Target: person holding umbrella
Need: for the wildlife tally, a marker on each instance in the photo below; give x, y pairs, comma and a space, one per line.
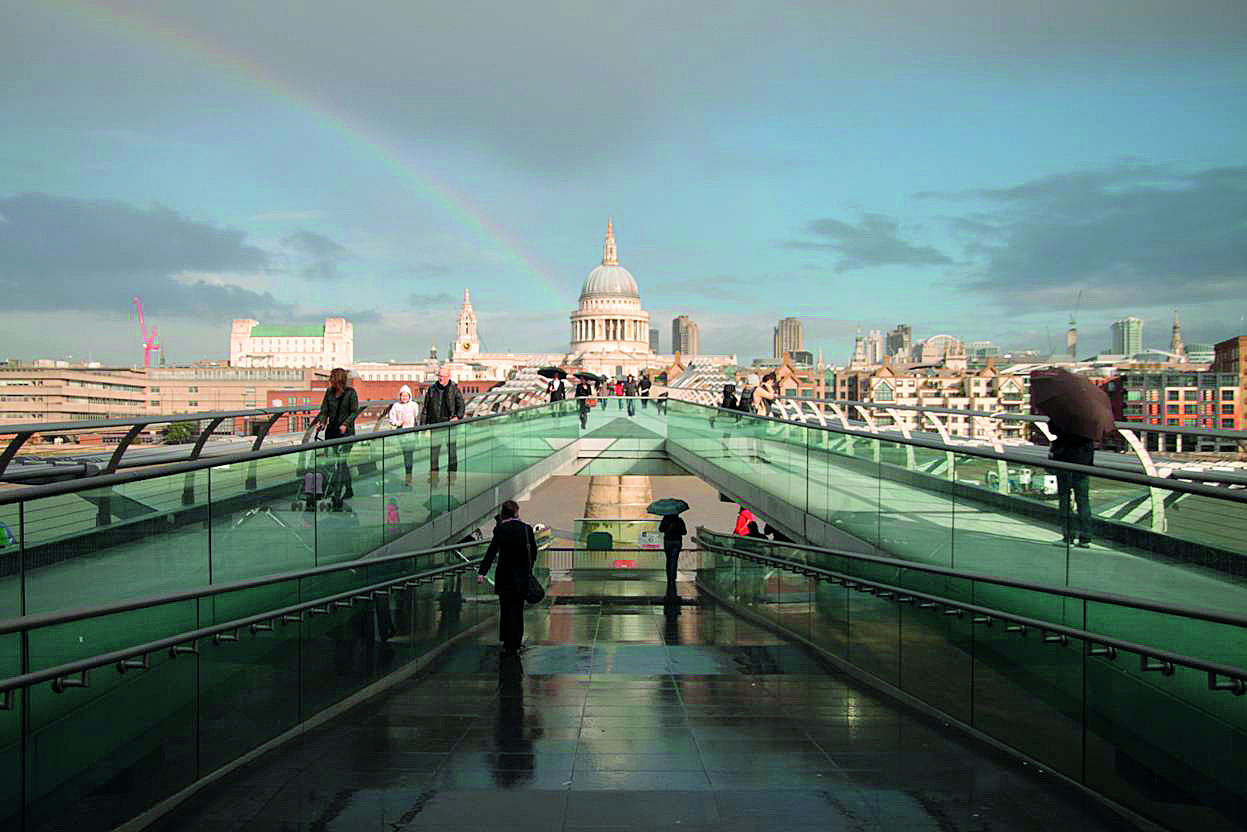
673, 531
1079, 414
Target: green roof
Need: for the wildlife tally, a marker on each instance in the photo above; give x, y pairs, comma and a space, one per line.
294, 331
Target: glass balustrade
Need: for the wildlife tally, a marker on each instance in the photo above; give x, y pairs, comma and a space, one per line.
96, 755
1152, 736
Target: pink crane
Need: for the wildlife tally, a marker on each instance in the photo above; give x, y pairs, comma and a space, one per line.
149, 341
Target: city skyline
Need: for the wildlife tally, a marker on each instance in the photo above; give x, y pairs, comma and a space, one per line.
755, 178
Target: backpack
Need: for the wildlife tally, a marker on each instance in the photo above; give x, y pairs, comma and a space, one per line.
745, 402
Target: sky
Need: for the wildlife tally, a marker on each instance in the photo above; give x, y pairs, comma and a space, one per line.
969, 167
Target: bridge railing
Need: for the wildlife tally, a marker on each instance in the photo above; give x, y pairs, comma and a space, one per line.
1096, 687
49, 466
237, 516
107, 711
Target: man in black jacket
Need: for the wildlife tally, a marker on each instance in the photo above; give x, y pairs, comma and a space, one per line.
442, 403
1081, 451
673, 531
583, 393
515, 546
644, 386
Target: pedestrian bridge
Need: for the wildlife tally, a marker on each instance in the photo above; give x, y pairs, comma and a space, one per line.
198, 642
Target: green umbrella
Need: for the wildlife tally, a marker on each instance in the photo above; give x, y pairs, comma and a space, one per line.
668, 505
442, 502
584, 375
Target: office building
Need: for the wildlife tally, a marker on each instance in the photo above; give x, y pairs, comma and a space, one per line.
654, 346
1127, 336
684, 336
787, 337
900, 342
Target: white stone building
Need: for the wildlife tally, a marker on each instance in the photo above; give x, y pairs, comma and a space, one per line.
609, 330
322, 346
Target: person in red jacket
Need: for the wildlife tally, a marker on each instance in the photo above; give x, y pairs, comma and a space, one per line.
743, 520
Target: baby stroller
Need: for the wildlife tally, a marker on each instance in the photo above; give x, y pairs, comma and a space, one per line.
319, 483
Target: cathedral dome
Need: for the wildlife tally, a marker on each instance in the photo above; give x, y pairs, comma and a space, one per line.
610, 279
615, 281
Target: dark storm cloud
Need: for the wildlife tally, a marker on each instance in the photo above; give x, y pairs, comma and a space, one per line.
1137, 235
60, 253
322, 255
874, 241
548, 84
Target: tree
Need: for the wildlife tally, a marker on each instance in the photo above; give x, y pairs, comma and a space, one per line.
179, 433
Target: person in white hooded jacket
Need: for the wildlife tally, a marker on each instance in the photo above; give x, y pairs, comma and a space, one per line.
404, 414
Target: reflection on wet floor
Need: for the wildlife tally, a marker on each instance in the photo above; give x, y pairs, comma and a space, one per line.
631, 715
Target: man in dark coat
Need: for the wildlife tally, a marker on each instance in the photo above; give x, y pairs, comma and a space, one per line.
644, 386
673, 531
584, 392
629, 389
1081, 451
515, 547
442, 403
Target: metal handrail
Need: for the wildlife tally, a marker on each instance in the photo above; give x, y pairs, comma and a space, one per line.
22, 433
1199, 613
107, 480
31, 622
1006, 416
987, 615
324, 605
984, 453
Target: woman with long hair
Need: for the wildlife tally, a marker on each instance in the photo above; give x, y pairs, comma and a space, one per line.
338, 410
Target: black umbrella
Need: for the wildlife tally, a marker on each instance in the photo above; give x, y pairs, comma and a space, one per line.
668, 505
1073, 403
552, 372
584, 375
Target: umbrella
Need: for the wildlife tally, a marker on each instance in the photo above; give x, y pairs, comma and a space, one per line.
593, 377
1072, 403
667, 505
441, 503
552, 372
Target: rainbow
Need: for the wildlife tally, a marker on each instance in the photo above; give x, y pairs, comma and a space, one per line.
456, 204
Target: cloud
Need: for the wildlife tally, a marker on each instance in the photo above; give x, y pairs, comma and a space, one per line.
874, 241
422, 300
321, 254
61, 253
1133, 235
355, 316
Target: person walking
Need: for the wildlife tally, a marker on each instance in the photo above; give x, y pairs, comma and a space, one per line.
673, 531
603, 390
630, 391
442, 403
583, 393
619, 391
557, 390
1079, 450
727, 403
338, 410
515, 547
403, 414
644, 387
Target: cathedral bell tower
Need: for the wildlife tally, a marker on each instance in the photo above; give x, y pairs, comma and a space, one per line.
467, 345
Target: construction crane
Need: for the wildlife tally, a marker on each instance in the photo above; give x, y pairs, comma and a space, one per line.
1071, 336
149, 341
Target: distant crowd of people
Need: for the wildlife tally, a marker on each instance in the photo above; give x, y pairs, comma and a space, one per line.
590, 392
